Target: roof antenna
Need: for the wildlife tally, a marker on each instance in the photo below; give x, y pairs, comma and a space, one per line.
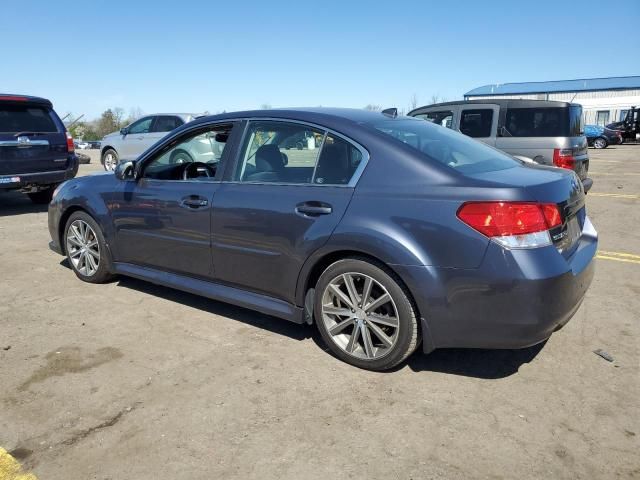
390, 112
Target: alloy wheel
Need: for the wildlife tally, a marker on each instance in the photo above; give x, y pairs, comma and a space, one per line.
600, 143
360, 316
83, 248
109, 162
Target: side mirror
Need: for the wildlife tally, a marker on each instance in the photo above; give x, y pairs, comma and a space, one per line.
125, 170
124, 131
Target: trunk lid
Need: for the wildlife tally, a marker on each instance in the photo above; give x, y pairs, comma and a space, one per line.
32, 138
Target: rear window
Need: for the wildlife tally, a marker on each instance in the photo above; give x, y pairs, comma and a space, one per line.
26, 118
449, 148
544, 122
444, 118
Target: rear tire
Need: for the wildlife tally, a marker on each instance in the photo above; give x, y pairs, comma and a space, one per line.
365, 315
42, 197
110, 159
600, 142
86, 249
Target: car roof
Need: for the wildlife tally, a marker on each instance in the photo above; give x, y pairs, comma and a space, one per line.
309, 114
502, 102
18, 98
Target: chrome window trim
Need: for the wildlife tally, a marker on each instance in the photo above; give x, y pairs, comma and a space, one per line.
354, 178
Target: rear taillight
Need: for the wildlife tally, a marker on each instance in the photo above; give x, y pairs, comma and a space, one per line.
512, 224
563, 158
70, 146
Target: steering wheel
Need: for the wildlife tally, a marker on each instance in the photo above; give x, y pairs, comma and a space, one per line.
197, 170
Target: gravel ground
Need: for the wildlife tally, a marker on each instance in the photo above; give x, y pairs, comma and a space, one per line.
131, 380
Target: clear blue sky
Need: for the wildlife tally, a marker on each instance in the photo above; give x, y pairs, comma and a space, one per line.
212, 55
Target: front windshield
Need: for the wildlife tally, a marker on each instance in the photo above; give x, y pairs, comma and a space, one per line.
449, 148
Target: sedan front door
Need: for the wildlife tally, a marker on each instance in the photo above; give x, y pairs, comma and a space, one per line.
137, 139
163, 220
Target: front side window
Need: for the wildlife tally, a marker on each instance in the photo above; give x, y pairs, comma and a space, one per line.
443, 118
141, 126
166, 123
193, 157
292, 153
476, 123
623, 115
449, 148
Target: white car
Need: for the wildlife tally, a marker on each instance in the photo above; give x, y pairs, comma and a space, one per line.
82, 145
132, 140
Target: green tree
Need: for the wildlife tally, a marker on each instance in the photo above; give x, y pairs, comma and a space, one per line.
111, 120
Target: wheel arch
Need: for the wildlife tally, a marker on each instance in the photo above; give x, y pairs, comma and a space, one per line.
314, 267
103, 151
64, 218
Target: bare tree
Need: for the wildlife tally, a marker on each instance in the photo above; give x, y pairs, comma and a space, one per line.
413, 101
135, 113
373, 108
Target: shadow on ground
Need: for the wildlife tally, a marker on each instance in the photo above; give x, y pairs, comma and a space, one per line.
17, 203
467, 362
256, 319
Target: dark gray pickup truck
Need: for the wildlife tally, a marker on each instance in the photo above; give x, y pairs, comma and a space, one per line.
36, 151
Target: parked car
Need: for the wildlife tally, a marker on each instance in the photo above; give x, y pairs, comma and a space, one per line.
82, 145
630, 126
395, 233
545, 132
601, 137
36, 151
94, 144
134, 139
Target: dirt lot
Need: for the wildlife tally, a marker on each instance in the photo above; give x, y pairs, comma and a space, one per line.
130, 380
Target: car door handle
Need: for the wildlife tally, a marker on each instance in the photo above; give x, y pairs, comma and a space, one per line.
140, 137
194, 202
313, 209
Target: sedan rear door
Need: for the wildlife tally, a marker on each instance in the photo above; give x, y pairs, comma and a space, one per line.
278, 206
32, 138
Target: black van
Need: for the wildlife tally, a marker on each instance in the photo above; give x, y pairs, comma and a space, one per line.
36, 151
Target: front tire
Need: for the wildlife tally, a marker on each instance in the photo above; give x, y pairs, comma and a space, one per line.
110, 159
600, 142
365, 315
86, 248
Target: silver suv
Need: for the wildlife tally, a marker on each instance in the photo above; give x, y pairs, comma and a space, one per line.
545, 132
134, 139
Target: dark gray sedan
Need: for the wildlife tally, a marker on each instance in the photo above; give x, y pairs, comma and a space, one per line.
386, 232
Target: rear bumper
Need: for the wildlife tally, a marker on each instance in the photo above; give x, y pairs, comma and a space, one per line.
517, 298
38, 179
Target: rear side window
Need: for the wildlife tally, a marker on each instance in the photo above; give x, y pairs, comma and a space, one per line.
293, 153
26, 118
166, 123
476, 123
443, 118
449, 148
543, 122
